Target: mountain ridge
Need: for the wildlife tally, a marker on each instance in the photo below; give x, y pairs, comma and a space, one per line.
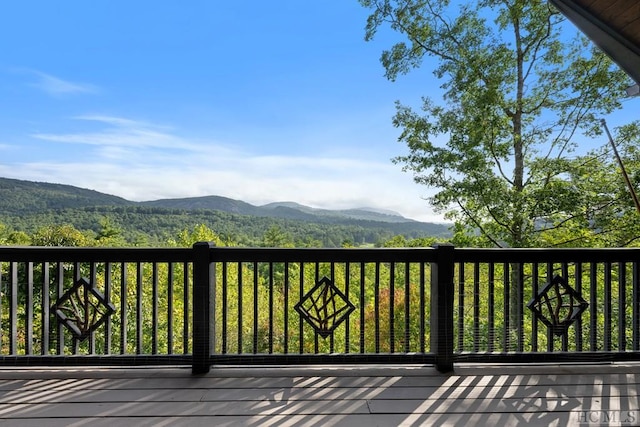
29, 205
63, 196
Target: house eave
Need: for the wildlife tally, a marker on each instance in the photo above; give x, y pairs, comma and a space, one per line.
623, 51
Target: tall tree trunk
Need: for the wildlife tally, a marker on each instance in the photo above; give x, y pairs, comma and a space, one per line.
517, 225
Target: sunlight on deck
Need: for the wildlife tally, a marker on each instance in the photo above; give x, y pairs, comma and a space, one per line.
602, 394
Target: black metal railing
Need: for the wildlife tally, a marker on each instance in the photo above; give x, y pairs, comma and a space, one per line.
502, 313
95, 306
207, 306
283, 306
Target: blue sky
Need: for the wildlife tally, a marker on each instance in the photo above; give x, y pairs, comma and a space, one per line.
258, 101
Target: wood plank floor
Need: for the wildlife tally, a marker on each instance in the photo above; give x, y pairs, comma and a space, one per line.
475, 395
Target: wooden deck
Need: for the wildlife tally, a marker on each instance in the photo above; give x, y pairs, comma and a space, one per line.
545, 395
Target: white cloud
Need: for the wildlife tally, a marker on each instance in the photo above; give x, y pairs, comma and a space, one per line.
57, 87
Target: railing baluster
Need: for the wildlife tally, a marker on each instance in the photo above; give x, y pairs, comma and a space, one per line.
270, 307
107, 296
362, 307
607, 306
520, 307
13, 310
286, 308
300, 321
491, 306
476, 307
461, 307
225, 284
636, 307
154, 308
240, 313
59, 293
535, 284
550, 337
593, 306
28, 342
622, 307
124, 291
3, 294
392, 290
170, 317
506, 280
92, 280
376, 303
45, 310
565, 340
187, 272
255, 307
407, 307
578, 326
423, 308
139, 318
316, 343
77, 274
331, 338
347, 328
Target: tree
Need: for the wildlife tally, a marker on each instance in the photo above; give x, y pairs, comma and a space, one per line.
276, 237
110, 233
60, 235
517, 96
611, 218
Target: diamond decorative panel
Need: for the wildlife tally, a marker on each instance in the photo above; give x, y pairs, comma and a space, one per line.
324, 307
558, 305
82, 309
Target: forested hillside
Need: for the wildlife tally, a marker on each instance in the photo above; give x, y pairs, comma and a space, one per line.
27, 207
27, 197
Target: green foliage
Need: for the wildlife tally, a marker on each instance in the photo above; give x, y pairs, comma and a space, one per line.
60, 235
276, 237
10, 237
517, 99
200, 233
141, 226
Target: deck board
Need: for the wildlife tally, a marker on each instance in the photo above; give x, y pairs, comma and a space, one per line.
319, 395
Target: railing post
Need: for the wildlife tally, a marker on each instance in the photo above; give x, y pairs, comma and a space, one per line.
442, 271
203, 304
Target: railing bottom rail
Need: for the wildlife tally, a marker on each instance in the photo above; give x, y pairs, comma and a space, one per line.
557, 357
323, 359
103, 361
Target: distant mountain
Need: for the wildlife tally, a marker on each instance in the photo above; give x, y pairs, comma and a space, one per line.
366, 214
216, 203
38, 202
17, 196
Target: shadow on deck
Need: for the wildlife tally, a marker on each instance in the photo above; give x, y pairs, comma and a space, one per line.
374, 395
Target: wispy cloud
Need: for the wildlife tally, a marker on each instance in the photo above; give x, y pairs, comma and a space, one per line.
56, 86
121, 132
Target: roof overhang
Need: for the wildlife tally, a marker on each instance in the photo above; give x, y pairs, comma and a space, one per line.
613, 25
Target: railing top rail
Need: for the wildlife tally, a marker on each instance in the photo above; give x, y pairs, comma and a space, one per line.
322, 255
91, 254
496, 255
237, 254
